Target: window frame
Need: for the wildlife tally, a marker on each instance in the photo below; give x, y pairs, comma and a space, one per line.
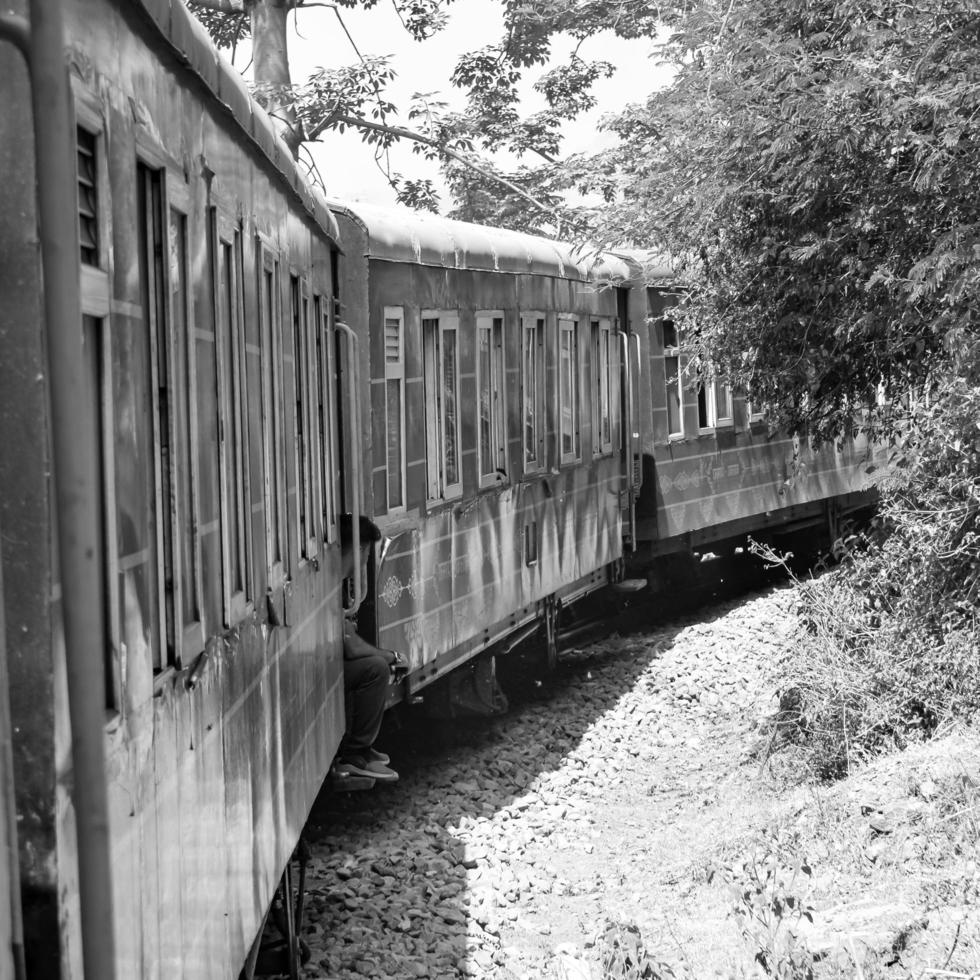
307, 529
95, 293
177, 197
672, 352
493, 323
602, 329
179, 640
726, 421
394, 371
568, 324
269, 295
708, 396
438, 488
237, 604
533, 322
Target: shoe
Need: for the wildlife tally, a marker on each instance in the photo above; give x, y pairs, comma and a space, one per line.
382, 773
373, 755
355, 765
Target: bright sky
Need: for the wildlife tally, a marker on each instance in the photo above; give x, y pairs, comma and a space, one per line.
347, 165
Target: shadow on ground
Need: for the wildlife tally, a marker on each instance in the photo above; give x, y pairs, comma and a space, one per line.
390, 889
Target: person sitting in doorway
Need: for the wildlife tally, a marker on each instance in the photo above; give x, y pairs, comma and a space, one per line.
367, 671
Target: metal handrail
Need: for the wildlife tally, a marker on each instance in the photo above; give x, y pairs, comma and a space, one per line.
355, 459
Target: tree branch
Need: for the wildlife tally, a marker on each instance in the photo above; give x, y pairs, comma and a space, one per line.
407, 134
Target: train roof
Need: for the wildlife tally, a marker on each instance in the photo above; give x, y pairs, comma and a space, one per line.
397, 234
192, 45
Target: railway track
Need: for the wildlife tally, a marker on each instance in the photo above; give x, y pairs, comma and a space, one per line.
495, 846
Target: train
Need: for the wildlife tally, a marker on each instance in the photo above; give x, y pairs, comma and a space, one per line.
206, 363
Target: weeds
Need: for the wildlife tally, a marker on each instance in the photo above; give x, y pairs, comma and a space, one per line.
623, 955
770, 891
890, 647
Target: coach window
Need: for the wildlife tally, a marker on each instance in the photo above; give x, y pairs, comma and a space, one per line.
166, 311
311, 376
440, 355
672, 380
491, 401
299, 305
394, 340
270, 334
92, 235
532, 390
714, 405
324, 399
236, 526
568, 390
602, 386
183, 422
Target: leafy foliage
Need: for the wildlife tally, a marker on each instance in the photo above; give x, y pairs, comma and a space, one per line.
623, 954
891, 649
812, 168
227, 30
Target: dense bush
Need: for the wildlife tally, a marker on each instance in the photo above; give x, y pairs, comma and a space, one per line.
890, 649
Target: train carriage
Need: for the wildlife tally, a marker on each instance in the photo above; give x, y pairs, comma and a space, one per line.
494, 429
713, 470
205, 276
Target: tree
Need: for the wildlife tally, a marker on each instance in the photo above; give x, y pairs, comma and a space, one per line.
813, 167
354, 97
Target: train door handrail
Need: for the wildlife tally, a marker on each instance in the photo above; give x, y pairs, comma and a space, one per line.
353, 416
636, 472
624, 346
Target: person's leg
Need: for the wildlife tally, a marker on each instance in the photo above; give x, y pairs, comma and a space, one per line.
365, 691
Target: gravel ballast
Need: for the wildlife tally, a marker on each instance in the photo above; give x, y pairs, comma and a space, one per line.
509, 841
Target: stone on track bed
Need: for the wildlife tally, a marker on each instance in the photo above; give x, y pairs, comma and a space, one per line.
506, 838
611, 796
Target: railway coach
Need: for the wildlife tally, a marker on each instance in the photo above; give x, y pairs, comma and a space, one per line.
531, 430
714, 471
170, 492
497, 466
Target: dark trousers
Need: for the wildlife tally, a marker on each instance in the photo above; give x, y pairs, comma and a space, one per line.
365, 693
